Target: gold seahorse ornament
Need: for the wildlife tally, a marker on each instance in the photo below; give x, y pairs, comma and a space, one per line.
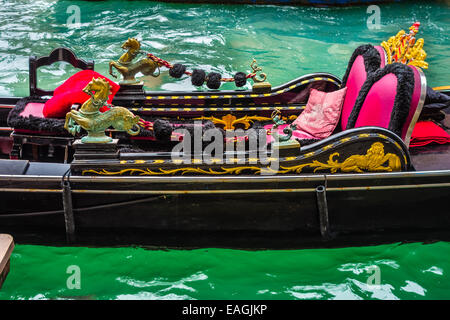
95, 122
128, 69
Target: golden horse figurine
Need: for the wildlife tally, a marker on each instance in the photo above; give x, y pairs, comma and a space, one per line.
127, 68
95, 122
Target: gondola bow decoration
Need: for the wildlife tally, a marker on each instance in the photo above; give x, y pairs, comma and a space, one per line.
405, 49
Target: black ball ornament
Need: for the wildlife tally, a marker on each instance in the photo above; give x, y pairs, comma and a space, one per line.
162, 129
214, 80
177, 70
198, 77
240, 79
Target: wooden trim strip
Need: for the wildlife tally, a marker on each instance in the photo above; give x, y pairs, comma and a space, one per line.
232, 191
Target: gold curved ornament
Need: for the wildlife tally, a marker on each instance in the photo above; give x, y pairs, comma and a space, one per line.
260, 85
229, 121
145, 172
375, 160
256, 69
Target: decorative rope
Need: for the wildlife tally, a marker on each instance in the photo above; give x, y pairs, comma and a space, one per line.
145, 124
213, 79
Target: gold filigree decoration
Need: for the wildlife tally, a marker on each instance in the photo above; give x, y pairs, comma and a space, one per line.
372, 161
256, 69
405, 49
290, 118
375, 160
160, 171
229, 121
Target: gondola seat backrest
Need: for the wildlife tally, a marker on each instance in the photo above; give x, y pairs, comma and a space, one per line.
27, 116
57, 55
392, 98
364, 60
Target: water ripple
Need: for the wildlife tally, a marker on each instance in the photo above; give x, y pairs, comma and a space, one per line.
287, 41
410, 271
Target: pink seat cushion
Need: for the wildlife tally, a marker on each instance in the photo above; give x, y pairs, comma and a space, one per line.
71, 92
383, 96
33, 109
320, 117
356, 78
322, 113
379, 103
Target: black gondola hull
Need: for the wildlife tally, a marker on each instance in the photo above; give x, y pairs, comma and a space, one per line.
243, 212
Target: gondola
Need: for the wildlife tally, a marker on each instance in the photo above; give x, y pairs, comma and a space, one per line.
146, 171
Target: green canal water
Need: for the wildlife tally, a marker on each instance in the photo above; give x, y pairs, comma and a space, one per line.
406, 271
287, 42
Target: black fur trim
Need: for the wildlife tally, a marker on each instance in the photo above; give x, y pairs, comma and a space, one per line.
162, 129
240, 79
372, 60
16, 121
198, 77
177, 70
213, 80
143, 133
402, 103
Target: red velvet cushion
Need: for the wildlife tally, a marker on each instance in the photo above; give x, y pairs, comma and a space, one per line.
71, 92
426, 132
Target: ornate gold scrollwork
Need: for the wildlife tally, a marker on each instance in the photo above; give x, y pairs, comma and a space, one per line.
375, 160
229, 121
256, 68
372, 161
260, 85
